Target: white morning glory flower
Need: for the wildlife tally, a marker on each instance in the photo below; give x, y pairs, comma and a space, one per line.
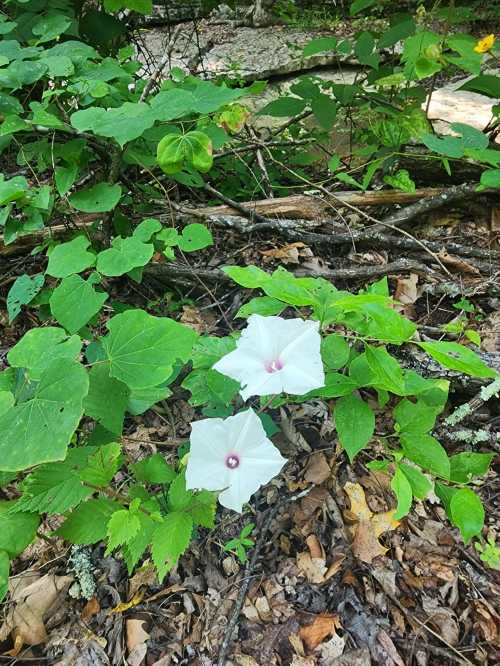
276, 355
233, 455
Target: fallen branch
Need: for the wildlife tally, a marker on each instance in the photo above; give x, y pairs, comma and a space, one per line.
174, 272
449, 196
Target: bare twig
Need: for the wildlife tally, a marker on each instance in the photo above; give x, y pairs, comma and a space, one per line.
161, 65
250, 566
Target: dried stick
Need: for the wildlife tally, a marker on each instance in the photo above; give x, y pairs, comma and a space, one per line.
250, 566
161, 65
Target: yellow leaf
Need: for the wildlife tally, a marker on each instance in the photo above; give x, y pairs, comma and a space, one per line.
124, 606
484, 45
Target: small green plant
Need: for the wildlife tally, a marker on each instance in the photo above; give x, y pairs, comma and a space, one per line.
489, 551
240, 544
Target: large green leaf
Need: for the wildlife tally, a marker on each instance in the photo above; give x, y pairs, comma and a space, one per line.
17, 530
467, 513
87, 523
74, 302
457, 357
124, 255
355, 423
124, 123
465, 466
107, 399
40, 429
22, 292
403, 491
69, 258
193, 149
427, 452
40, 346
99, 198
387, 371
142, 349
486, 84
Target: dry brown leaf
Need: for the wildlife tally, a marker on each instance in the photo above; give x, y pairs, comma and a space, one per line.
296, 643
331, 650
315, 547
297, 660
406, 294
369, 526
313, 568
32, 605
316, 632
143, 577
244, 660
92, 607
135, 633
288, 254
457, 263
487, 621
443, 619
193, 318
317, 469
335, 566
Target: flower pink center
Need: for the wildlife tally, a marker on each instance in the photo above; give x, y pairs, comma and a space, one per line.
232, 461
274, 365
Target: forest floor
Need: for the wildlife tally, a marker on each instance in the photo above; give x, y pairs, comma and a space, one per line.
331, 580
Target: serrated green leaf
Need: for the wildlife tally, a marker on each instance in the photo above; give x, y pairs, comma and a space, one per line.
87, 523
74, 302
134, 549
170, 540
107, 399
457, 357
141, 399
122, 527
17, 530
100, 198
153, 469
354, 422
51, 489
427, 452
208, 350
102, 465
22, 292
39, 347
402, 489
210, 387
142, 349
467, 513
40, 429
71, 257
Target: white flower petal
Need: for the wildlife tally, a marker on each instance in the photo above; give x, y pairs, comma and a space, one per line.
275, 355
243, 436
206, 466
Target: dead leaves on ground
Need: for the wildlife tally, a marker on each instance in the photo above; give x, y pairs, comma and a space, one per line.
34, 599
369, 526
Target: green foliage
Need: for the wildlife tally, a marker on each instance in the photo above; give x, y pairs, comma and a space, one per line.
240, 544
74, 121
